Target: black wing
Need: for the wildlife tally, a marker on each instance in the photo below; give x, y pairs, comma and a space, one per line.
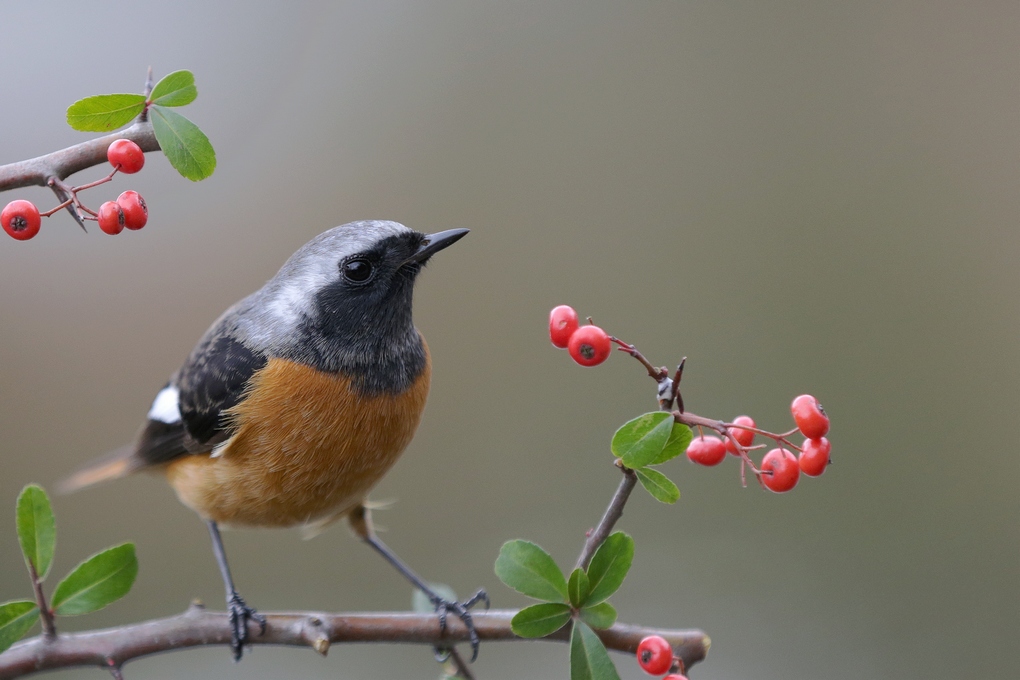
210, 382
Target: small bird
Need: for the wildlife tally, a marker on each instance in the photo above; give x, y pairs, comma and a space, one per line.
298, 399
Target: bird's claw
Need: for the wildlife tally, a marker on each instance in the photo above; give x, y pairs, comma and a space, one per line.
240, 614
462, 610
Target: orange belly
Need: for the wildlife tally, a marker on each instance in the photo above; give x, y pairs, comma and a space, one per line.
306, 449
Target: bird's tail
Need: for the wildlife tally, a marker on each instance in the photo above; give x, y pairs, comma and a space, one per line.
116, 464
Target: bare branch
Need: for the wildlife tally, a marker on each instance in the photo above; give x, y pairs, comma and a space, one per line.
111, 648
613, 513
64, 163
48, 625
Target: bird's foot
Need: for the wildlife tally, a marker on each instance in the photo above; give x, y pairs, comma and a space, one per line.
462, 610
240, 614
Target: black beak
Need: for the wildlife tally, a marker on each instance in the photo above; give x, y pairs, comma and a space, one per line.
433, 243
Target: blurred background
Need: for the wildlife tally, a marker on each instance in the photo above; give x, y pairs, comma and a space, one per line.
798, 196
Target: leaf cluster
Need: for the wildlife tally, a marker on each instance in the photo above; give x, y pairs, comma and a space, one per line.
184, 144
581, 598
98, 581
649, 440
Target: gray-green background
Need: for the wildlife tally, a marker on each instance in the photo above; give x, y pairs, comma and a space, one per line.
798, 196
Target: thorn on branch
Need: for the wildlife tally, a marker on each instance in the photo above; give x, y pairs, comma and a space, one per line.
111, 648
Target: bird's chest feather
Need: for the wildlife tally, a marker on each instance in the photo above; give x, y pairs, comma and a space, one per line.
307, 446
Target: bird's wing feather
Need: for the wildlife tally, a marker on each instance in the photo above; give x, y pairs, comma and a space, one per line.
191, 416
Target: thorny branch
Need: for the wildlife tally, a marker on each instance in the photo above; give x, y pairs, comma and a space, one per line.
112, 647
52, 169
60, 165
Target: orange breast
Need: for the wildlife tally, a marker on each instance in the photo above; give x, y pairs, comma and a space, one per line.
307, 448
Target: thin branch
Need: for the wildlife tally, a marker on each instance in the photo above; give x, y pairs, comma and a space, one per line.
48, 625
112, 647
608, 521
462, 668
654, 372
666, 392
64, 163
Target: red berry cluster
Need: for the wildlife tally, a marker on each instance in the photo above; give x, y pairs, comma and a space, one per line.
655, 656
780, 469
128, 211
21, 219
588, 345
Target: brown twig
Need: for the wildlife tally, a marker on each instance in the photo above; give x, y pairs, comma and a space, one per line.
112, 647
608, 521
654, 372
62, 164
692, 420
45, 615
463, 670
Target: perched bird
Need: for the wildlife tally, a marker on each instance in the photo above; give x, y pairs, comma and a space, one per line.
298, 399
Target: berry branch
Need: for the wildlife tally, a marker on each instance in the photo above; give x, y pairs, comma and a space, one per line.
640, 446
59, 165
112, 647
53, 168
155, 127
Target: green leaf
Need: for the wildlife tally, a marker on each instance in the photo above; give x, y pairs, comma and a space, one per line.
101, 579
588, 657
37, 530
175, 89
16, 619
529, 570
679, 439
609, 566
420, 602
186, 147
540, 620
601, 615
640, 441
658, 484
577, 587
104, 112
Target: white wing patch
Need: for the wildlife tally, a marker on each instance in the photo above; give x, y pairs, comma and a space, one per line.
166, 407
220, 448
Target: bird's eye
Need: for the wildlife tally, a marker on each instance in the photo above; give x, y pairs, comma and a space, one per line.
356, 271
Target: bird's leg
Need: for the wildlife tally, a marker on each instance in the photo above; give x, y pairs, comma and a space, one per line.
361, 524
239, 612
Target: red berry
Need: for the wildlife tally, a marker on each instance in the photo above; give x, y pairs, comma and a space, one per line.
136, 213
675, 676
814, 456
589, 346
745, 437
21, 219
706, 450
127, 155
111, 218
562, 324
784, 468
809, 416
654, 655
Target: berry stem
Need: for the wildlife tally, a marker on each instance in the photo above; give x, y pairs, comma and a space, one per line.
57, 209
104, 180
657, 374
67, 201
692, 420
